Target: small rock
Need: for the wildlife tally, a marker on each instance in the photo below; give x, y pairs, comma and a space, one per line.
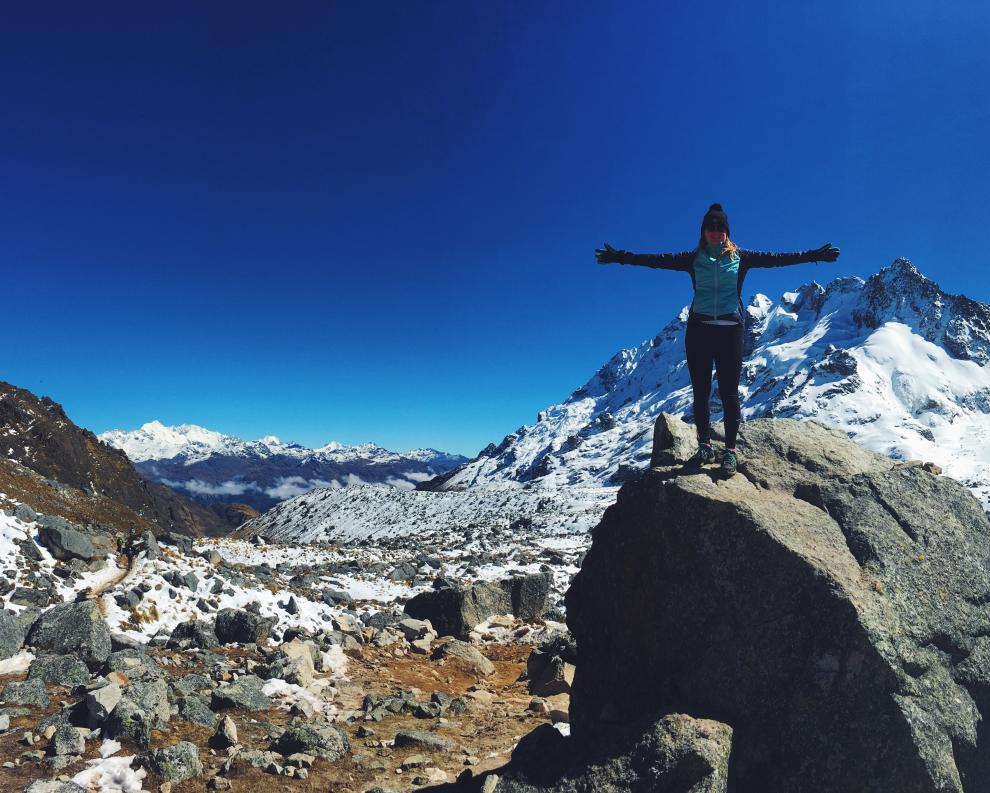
67, 740
419, 739
467, 653
27, 692
176, 763
226, 734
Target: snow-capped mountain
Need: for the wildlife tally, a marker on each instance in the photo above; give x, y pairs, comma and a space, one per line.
895, 362
212, 466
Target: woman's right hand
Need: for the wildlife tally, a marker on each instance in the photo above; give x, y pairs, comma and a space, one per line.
606, 255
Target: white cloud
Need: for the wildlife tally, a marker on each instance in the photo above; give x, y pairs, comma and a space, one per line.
229, 488
289, 486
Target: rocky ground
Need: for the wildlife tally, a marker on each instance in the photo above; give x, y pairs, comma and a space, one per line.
228, 664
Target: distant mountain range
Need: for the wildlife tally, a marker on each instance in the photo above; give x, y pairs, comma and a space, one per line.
899, 365
58, 468
210, 466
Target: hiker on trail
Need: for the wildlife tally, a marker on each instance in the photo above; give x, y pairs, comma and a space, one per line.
715, 324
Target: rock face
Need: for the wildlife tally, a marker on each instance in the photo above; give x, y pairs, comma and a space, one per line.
827, 604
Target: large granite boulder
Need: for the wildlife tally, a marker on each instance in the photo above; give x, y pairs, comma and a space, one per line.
827, 603
73, 628
454, 611
236, 626
66, 541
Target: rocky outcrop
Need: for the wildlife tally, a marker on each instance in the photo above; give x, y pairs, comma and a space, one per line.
828, 605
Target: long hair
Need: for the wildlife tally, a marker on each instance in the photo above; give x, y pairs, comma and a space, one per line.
730, 247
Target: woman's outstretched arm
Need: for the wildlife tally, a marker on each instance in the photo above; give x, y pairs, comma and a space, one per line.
826, 253
659, 261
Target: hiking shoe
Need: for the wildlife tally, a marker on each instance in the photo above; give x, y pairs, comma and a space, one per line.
729, 462
704, 455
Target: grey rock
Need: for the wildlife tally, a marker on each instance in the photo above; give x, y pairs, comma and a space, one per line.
101, 701
152, 550
27, 692
468, 653
420, 739
12, 634
234, 626
66, 542
67, 740
194, 708
31, 596
823, 602
190, 684
73, 628
24, 513
151, 696
245, 692
136, 664
118, 641
53, 786
180, 542
326, 741
676, 754
176, 763
226, 734
128, 720
674, 441
62, 670
456, 610
193, 633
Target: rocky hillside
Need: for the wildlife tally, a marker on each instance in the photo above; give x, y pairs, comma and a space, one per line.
818, 623
36, 435
894, 362
242, 666
209, 466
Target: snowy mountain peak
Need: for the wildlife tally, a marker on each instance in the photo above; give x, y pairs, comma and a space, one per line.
894, 361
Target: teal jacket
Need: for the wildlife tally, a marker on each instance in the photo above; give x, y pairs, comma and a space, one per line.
717, 276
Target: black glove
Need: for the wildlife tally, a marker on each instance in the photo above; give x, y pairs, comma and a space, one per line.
606, 255
827, 253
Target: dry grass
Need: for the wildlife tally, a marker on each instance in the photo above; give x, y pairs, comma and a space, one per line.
139, 616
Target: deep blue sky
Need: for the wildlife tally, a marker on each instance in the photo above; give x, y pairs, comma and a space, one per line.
376, 221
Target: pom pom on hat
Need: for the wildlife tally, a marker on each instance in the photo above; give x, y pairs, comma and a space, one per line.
715, 219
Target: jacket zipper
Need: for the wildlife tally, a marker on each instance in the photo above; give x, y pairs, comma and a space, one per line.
715, 307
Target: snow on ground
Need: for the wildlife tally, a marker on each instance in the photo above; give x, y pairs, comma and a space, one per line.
375, 512
14, 530
111, 775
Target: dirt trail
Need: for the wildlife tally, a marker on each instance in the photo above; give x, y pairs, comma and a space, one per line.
95, 594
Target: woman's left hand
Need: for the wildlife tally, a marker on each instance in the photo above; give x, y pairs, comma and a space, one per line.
827, 253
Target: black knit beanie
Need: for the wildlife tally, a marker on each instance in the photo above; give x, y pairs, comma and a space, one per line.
716, 215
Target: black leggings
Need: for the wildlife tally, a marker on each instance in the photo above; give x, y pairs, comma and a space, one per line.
723, 346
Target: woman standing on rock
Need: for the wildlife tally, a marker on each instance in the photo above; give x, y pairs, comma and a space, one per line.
715, 324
